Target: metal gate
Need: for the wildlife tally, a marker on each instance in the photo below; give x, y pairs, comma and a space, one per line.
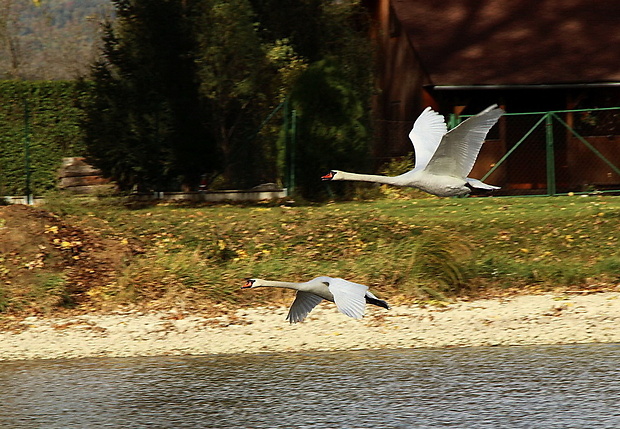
550, 153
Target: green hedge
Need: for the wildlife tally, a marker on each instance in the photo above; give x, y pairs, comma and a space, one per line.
52, 114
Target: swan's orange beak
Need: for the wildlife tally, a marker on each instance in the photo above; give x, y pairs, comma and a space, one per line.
328, 176
248, 284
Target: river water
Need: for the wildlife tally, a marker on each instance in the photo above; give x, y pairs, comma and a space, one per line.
568, 386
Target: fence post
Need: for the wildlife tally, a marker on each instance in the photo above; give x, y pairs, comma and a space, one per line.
550, 155
293, 146
28, 197
287, 147
452, 121
290, 141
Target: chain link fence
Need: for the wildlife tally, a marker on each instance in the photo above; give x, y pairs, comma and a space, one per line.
535, 153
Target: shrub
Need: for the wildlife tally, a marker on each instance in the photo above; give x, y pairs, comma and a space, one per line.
39, 125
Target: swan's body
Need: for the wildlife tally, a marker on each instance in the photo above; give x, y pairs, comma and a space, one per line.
443, 158
349, 297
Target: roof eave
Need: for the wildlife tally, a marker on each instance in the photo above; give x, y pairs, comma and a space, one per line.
523, 86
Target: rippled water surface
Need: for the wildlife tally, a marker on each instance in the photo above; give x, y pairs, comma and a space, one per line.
505, 387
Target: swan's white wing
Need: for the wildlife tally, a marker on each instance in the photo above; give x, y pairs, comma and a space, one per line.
303, 304
350, 298
459, 148
426, 135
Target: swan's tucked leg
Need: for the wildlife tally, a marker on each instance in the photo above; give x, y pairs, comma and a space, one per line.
475, 183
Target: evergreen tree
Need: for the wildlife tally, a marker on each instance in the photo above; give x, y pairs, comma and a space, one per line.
145, 125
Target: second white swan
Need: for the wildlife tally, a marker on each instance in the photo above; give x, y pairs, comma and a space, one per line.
349, 297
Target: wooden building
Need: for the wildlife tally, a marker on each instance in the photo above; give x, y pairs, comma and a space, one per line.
460, 56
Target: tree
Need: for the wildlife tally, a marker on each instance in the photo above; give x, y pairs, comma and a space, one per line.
297, 21
144, 125
332, 99
184, 86
315, 52
332, 130
240, 79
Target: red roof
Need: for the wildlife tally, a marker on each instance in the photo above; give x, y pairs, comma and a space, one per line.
508, 42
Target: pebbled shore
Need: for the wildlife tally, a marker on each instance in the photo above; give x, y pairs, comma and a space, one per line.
519, 320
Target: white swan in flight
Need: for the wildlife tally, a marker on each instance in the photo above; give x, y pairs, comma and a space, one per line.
350, 298
443, 159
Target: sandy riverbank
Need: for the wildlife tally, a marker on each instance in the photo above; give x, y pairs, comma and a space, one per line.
520, 320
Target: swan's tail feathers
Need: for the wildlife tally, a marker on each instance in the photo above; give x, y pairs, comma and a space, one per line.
475, 183
371, 299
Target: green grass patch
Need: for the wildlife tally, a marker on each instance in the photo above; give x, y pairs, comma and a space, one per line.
417, 248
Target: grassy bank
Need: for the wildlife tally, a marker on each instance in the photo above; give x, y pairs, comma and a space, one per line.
425, 248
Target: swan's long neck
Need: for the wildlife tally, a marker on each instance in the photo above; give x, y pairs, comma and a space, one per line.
275, 283
367, 178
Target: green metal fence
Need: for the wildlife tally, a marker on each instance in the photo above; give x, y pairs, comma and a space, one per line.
550, 153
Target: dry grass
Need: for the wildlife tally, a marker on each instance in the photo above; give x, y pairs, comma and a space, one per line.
413, 249
419, 248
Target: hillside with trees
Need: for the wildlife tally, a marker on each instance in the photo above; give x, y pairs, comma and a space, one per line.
49, 39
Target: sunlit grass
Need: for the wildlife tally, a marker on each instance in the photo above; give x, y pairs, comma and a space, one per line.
421, 248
